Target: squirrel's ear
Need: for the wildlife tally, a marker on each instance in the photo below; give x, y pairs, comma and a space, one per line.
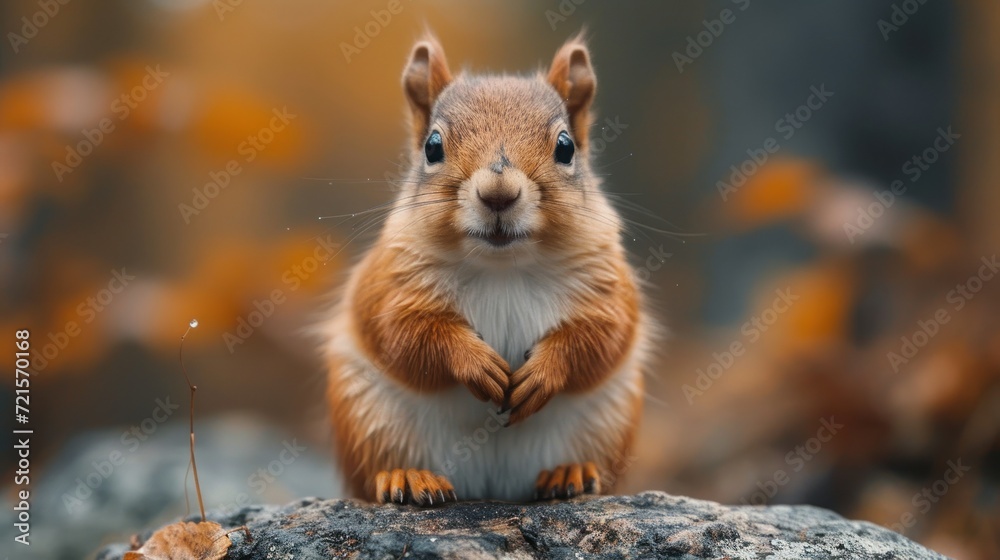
425, 76
573, 78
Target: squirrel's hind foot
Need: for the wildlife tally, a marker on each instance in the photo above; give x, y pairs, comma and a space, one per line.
567, 481
412, 486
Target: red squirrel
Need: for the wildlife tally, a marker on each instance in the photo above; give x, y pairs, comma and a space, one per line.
492, 343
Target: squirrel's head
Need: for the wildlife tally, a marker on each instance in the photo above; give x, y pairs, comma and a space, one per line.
500, 167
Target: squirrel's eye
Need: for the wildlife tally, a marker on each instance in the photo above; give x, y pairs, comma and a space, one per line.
434, 149
564, 148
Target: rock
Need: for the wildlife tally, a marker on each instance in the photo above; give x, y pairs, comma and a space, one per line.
648, 525
98, 489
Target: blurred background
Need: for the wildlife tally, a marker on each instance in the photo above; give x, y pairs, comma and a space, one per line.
835, 315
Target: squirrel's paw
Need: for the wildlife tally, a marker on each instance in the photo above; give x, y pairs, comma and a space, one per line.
531, 388
483, 371
412, 486
566, 481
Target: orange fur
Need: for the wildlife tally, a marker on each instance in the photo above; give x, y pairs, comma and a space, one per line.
419, 339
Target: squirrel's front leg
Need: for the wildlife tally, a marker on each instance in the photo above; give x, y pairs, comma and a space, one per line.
475, 364
575, 356
428, 346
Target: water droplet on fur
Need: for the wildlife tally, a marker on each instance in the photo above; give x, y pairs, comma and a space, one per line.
193, 324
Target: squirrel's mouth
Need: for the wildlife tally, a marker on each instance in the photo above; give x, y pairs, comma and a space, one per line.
498, 237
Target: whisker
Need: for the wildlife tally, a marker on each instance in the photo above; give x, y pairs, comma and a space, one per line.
417, 219
374, 208
372, 220
627, 224
618, 200
366, 228
583, 211
655, 400
619, 160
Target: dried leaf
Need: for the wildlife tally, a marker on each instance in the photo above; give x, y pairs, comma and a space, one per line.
185, 541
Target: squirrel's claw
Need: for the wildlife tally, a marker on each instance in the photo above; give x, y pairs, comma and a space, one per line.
413, 486
483, 371
530, 392
567, 481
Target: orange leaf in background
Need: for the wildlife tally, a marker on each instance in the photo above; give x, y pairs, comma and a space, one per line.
21, 104
822, 314
780, 188
185, 541
819, 315
227, 119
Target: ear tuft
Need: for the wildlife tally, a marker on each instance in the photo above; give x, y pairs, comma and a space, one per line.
425, 76
573, 78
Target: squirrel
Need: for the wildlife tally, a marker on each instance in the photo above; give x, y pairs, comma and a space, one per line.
498, 277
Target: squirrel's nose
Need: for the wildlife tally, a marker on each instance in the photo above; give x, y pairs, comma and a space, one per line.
499, 200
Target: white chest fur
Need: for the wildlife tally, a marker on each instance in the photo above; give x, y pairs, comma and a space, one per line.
512, 310
452, 433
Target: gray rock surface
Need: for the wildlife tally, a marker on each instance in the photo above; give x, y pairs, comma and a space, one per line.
648, 525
